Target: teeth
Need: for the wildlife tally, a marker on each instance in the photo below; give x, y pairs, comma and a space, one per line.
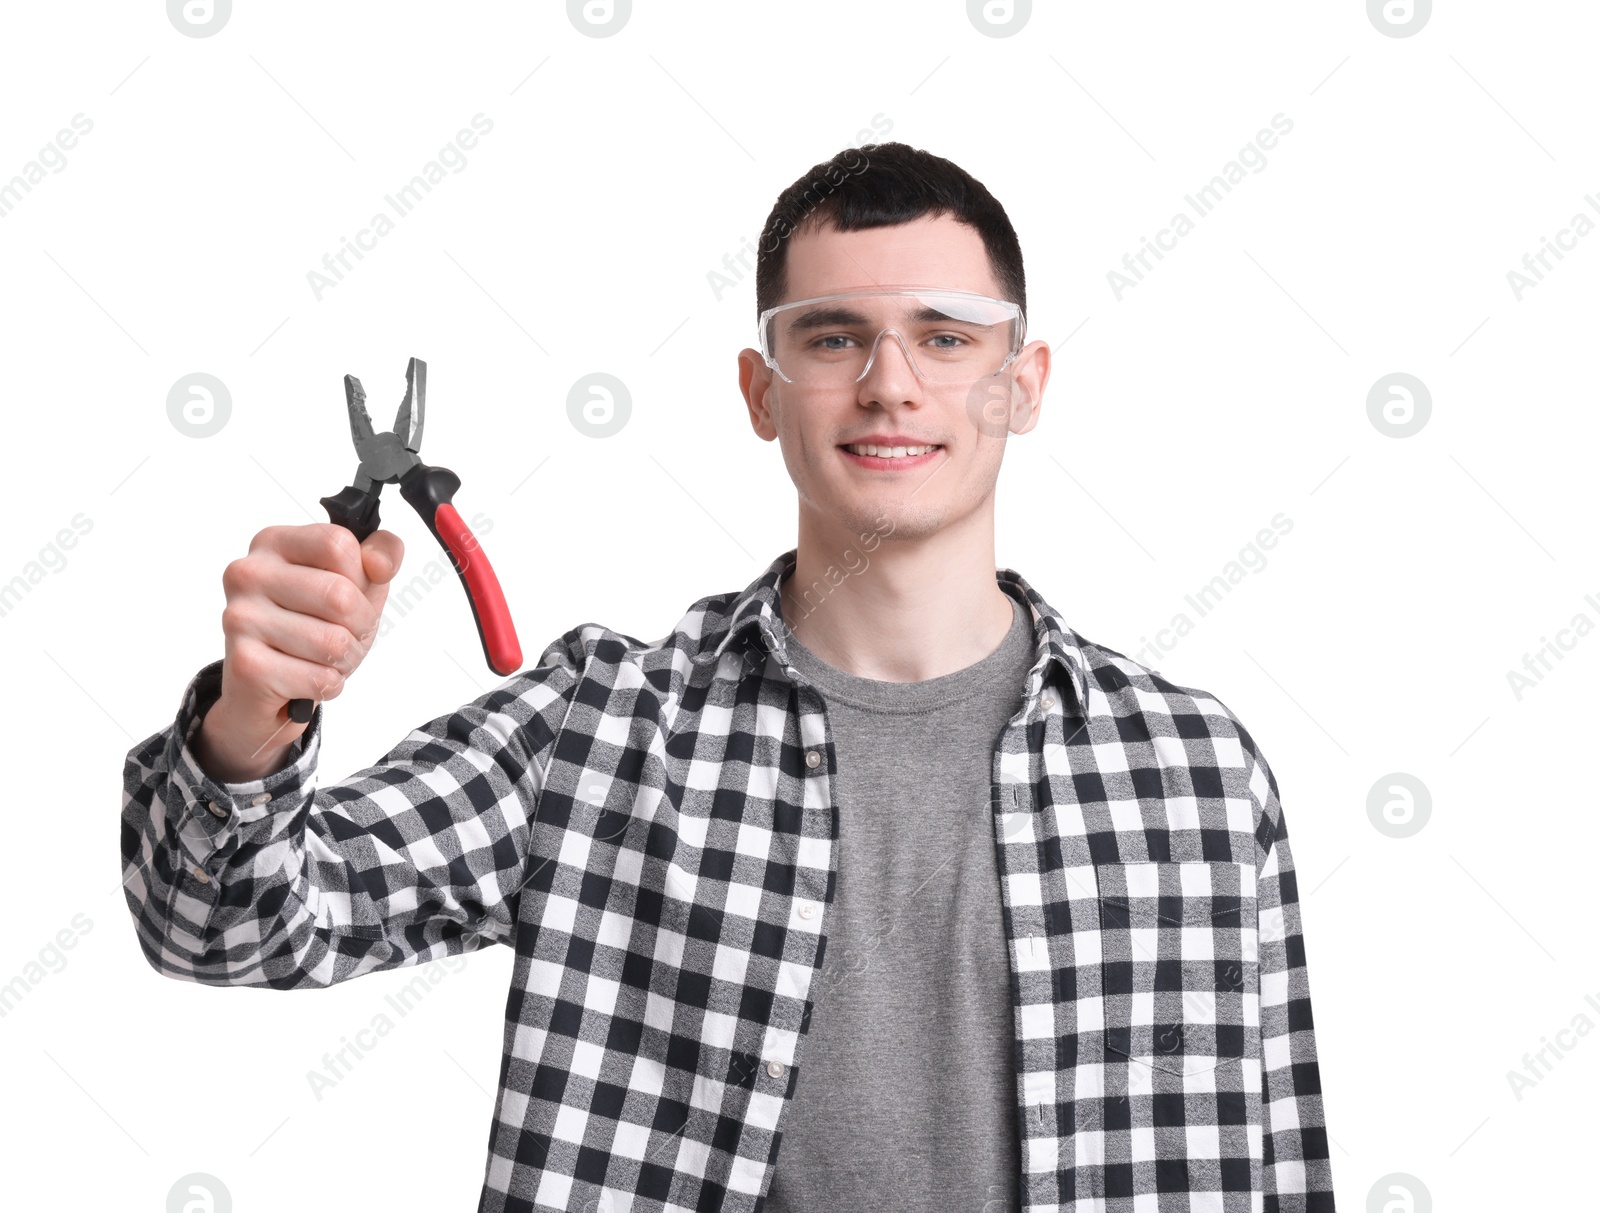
888, 452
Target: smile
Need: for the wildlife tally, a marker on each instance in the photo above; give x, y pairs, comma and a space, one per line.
892, 457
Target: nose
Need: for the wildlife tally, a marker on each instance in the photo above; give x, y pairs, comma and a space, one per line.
887, 364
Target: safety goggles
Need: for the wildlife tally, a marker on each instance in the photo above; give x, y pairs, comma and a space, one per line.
948, 337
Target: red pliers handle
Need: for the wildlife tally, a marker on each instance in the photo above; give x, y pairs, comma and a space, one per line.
390, 457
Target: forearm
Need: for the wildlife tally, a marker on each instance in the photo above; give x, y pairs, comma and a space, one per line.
275, 881
189, 838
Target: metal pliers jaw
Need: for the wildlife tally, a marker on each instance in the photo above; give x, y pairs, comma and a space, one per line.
390, 457
385, 457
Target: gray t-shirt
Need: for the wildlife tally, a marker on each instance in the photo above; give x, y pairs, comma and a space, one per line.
906, 1098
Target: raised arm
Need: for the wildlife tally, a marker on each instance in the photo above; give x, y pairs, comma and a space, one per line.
259, 877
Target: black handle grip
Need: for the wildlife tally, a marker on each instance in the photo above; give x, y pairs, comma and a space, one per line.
354, 510
427, 488
357, 512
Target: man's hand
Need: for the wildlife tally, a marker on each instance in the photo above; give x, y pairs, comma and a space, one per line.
303, 608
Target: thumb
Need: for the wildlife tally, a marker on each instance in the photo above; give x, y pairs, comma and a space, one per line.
381, 554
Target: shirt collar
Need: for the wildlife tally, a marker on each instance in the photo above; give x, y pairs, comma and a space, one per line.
757, 609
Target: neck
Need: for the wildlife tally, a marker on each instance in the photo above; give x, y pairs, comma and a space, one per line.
896, 608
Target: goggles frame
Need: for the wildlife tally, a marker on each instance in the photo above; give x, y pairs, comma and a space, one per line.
764, 324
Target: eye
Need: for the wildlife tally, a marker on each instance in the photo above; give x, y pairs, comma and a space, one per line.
952, 342
823, 343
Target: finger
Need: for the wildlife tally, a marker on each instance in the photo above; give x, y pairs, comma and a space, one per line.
267, 678
381, 554
321, 595
320, 545
308, 638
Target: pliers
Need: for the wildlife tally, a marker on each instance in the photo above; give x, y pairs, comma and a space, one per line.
390, 457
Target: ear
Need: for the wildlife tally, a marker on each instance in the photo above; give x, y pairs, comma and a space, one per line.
756, 385
1009, 401
1032, 373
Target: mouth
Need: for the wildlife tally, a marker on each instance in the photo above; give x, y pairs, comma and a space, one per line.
892, 459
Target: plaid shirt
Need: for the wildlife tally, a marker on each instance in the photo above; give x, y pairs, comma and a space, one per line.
650, 828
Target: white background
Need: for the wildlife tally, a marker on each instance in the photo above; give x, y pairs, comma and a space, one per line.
1227, 387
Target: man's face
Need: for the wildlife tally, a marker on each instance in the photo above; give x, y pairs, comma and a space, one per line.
845, 494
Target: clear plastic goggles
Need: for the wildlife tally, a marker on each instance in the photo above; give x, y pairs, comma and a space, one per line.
948, 337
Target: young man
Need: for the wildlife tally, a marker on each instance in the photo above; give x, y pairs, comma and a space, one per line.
871, 886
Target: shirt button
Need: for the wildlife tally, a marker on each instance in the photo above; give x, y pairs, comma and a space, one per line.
775, 1068
808, 910
261, 798
813, 758
217, 810
200, 874
1047, 701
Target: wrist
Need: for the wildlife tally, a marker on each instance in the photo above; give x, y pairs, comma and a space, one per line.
234, 749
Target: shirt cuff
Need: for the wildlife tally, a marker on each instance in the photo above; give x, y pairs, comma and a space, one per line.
211, 811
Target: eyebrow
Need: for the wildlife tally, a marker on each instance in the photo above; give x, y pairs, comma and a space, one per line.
837, 315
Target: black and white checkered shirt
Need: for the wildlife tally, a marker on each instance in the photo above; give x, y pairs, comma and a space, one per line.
650, 827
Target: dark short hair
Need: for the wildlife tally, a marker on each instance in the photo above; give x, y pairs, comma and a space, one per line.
878, 185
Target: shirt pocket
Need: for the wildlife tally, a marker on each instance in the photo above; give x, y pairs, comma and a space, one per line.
1178, 963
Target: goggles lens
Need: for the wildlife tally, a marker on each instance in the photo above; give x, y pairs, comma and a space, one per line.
949, 337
